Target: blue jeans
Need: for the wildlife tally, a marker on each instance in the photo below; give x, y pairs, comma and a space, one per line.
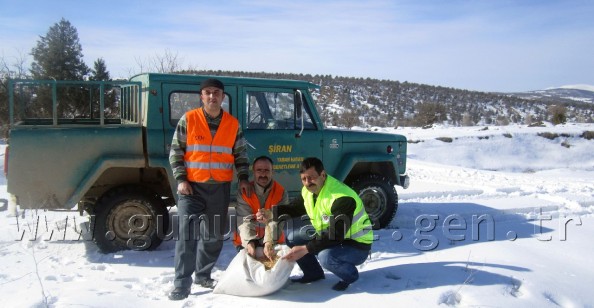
340, 260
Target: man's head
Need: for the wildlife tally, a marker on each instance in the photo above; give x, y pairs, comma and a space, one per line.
212, 82
262, 168
212, 93
313, 175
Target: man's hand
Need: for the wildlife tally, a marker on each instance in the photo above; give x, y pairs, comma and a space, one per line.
246, 187
184, 188
296, 253
269, 251
263, 216
251, 249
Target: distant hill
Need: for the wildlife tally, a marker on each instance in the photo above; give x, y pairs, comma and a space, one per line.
579, 93
366, 102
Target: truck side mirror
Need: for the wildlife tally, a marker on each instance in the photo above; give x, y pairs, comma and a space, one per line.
298, 104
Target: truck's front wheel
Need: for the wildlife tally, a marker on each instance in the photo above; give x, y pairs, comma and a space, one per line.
379, 197
129, 217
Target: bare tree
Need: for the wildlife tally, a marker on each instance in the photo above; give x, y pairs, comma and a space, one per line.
9, 70
168, 62
15, 69
467, 119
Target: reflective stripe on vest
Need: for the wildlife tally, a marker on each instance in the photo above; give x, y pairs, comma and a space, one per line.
320, 213
274, 197
207, 157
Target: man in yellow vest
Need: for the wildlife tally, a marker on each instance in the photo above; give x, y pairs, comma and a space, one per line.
207, 143
267, 193
343, 231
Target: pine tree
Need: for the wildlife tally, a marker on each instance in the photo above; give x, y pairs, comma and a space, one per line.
99, 71
58, 55
111, 94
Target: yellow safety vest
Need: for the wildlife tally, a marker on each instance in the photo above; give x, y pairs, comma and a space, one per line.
320, 213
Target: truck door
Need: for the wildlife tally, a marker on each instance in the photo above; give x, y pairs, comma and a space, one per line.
180, 98
271, 120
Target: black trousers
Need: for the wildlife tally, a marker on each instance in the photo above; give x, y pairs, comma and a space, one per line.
202, 224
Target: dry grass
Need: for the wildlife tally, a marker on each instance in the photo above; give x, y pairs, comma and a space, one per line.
268, 264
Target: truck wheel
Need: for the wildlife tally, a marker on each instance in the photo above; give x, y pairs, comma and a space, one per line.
127, 218
379, 197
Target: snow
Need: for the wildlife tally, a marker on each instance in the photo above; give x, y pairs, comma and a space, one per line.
499, 217
585, 87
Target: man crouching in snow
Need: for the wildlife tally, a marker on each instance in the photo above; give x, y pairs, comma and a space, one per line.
267, 194
343, 231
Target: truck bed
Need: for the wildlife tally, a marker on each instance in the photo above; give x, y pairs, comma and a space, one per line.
64, 131
47, 164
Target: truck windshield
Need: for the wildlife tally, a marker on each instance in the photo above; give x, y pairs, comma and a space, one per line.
275, 110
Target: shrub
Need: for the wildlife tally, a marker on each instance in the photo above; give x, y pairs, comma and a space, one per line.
558, 114
445, 139
537, 124
588, 135
547, 135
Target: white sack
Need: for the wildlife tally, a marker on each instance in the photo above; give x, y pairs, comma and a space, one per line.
246, 276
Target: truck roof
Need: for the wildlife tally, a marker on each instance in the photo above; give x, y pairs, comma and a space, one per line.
230, 80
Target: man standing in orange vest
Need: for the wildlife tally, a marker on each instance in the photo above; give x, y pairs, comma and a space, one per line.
268, 193
207, 143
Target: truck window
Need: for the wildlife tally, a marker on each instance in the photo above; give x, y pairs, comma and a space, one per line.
181, 102
39, 102
274, 110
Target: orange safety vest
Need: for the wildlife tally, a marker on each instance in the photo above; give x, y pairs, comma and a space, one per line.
274, 197
207, 157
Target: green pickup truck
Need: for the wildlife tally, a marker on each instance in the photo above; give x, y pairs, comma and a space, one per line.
104, 146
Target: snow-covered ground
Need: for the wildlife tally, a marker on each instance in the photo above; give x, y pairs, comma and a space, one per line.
499, 217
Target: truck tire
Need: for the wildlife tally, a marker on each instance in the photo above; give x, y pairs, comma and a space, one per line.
126, 218
379, 197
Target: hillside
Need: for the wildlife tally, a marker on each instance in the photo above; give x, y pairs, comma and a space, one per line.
576, 93
348, 102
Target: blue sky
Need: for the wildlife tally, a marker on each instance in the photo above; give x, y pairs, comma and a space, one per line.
477, 45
